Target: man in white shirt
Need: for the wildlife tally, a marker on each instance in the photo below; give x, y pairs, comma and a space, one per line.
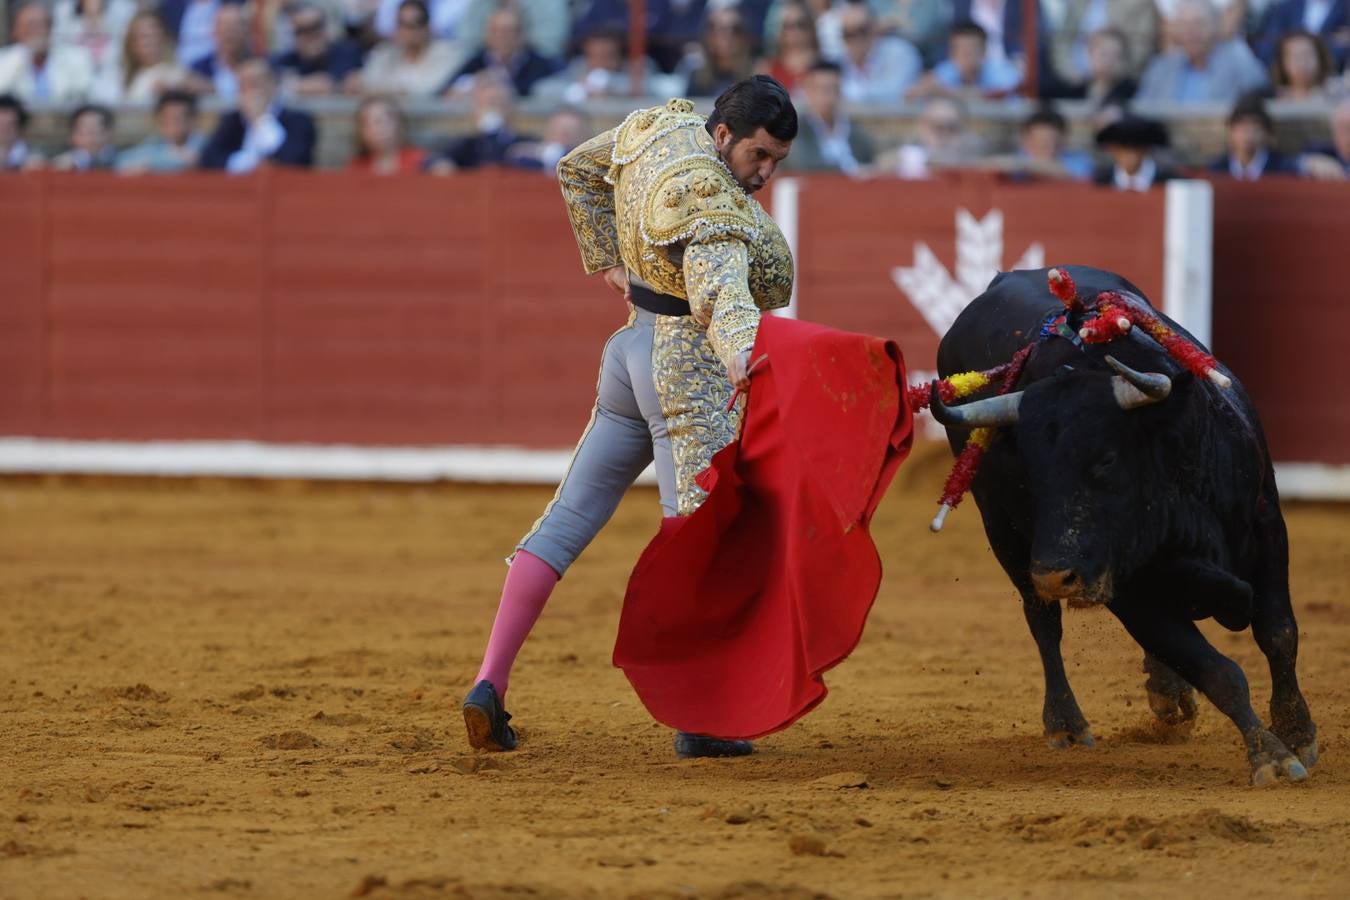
34, 70
412, 62
446, 17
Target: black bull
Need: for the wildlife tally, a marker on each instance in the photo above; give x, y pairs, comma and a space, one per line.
1165, 512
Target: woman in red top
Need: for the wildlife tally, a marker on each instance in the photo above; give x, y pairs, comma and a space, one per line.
795, 49
381, 145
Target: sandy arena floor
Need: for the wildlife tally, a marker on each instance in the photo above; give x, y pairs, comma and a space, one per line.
214, 688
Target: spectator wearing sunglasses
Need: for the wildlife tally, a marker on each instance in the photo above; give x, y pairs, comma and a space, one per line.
876, 68
316, 65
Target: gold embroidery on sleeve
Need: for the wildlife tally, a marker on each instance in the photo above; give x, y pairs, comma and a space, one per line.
582, 175
691, 383
716, 277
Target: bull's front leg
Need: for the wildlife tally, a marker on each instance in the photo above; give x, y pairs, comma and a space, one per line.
1177, 643
1064, 722
1276, 633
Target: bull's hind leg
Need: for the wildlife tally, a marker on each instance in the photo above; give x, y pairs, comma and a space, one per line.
1064, 722
1170, 696
1177, 643
1276, 633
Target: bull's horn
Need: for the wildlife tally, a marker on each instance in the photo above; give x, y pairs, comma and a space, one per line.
991, 412
1135, 389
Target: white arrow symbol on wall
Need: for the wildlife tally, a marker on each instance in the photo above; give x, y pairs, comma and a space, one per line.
933, 291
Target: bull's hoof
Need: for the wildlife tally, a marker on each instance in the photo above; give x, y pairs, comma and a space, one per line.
1176, 711
1269, 773
1302, 739
1059, 740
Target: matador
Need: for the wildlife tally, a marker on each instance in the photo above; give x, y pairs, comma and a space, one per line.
661, 208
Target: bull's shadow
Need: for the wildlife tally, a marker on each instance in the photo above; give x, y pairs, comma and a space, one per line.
1116, 477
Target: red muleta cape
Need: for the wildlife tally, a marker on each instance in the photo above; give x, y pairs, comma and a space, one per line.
734, 613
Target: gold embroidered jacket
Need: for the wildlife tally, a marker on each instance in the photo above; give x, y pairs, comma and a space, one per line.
653, 195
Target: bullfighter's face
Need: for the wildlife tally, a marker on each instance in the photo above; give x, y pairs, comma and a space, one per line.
752, 160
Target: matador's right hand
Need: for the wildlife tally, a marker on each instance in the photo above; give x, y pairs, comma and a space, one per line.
738, 373
617, 278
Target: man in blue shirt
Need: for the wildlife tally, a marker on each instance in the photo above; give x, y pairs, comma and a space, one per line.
1201, 69
175, 147
969, 72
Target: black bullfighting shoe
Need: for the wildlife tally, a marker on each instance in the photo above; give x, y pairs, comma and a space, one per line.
690, 746
486, 718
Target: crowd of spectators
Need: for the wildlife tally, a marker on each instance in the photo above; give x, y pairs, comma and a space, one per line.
264, 62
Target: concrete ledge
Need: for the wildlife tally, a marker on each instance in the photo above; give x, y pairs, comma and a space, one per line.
1197, 130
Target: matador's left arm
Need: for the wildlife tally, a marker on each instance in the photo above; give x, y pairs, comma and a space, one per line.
717, 283
697, 204
590, 201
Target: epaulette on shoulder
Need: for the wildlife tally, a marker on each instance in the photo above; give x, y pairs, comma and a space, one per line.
644, 127
697, 197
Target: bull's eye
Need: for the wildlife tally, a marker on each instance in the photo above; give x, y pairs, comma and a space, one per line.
1104, 464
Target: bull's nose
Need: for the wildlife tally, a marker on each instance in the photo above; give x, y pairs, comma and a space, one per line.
1056, 584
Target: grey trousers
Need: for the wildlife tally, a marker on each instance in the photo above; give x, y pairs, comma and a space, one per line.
627, 431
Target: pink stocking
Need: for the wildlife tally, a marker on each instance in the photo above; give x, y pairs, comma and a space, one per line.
529, 581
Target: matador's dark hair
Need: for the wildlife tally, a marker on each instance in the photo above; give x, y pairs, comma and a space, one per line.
755, 103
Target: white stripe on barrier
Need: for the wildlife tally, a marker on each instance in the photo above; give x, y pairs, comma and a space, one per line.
1312, 481
784, 202
1188, 257
511, 465
251, 459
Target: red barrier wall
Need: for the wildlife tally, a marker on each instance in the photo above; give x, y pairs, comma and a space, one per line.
1282, 309
23, 318
290, 307
295, 307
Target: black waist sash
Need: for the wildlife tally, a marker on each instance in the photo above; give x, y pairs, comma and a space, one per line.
661, 304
